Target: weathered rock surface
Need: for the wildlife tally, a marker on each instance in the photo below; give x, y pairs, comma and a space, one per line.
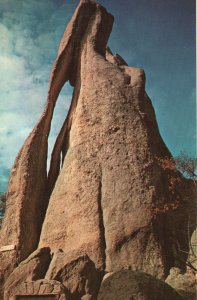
192, 257
33, 268
184, 283
113, 193
127, 284
27, 196
113, 190
76, 272
28, 191
45, 288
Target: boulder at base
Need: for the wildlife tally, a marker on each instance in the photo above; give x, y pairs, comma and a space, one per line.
184, 283
127, 285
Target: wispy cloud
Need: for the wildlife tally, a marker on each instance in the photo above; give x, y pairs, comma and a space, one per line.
30, 32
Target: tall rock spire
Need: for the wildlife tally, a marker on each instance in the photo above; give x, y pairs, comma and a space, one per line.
114, 199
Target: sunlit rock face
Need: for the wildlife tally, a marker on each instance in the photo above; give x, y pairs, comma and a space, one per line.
112, 194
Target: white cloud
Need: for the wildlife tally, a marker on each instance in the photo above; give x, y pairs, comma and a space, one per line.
6, 44
30, 32
13, 73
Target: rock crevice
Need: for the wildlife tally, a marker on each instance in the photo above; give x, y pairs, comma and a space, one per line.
101, 223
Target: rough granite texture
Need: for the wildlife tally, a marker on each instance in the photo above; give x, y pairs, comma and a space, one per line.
33, 268
76, 272
112, 180
47, 288
184, 283
112, 194
134, 285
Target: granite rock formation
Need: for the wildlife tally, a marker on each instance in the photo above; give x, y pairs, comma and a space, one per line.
31, 269
127, 284
76, 272
112, 194
183, 283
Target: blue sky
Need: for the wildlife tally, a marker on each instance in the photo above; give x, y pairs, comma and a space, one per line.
156, 35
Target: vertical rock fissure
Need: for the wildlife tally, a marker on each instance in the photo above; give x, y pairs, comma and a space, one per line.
62, 142
101, 224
